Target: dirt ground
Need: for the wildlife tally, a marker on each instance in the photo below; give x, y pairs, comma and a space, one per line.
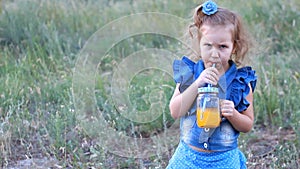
261, 148
267, 147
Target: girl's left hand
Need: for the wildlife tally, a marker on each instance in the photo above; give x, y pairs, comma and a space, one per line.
227, 108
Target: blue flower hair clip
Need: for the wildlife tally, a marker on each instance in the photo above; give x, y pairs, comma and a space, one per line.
209, 7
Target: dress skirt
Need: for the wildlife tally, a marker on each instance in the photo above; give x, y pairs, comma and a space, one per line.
188, 158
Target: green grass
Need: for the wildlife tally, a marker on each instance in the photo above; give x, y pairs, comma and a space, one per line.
39, 46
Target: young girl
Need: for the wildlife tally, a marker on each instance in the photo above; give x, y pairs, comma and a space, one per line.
223, 42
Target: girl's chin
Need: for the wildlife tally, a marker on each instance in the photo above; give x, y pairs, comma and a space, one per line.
222, 68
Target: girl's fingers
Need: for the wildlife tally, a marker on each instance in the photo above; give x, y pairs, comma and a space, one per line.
227, 108
209, 75
212, 75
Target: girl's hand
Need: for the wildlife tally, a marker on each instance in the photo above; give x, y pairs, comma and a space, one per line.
209, 76
227, 108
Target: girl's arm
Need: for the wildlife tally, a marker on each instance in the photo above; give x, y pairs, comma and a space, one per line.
181, 102
242, 122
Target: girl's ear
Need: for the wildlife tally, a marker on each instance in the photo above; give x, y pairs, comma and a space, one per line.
234, 49
233, 53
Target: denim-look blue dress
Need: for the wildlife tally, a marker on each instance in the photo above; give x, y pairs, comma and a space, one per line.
223, 140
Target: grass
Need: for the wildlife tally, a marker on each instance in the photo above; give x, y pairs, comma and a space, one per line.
39, 46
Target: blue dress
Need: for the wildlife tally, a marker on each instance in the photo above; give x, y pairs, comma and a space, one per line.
234, 86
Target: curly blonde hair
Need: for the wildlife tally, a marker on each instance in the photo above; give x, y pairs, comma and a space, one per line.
241, 39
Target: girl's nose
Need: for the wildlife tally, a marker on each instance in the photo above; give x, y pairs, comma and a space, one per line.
215, 53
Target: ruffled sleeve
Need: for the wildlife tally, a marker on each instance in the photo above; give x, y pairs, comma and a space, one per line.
240, 87
183, 72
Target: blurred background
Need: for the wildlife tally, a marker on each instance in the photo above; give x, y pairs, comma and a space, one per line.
39, 45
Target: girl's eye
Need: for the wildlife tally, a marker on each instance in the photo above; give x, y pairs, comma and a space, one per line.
208, 45
223, 46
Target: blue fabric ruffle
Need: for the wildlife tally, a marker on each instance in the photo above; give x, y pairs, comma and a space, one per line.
244, 76
183, 72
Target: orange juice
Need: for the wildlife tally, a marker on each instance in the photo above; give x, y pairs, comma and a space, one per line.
208, 114
210, 118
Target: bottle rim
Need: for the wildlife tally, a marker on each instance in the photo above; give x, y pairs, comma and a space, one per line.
208, 90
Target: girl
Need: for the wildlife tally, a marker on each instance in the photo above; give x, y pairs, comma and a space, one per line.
223, 42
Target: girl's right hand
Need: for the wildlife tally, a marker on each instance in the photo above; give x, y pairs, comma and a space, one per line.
208, 76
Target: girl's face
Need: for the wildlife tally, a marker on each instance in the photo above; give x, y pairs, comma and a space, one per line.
216, 46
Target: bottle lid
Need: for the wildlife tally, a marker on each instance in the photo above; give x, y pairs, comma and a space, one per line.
208, 90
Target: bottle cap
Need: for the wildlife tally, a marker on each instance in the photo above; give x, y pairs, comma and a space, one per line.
208, 90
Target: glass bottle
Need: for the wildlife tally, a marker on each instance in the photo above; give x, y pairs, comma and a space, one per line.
208, 113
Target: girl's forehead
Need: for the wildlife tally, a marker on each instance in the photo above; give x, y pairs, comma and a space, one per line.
217, 31
215, 28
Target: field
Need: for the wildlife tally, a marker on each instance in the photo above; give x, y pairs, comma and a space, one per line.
69, 70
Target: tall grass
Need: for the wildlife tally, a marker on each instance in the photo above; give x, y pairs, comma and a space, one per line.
39, 45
